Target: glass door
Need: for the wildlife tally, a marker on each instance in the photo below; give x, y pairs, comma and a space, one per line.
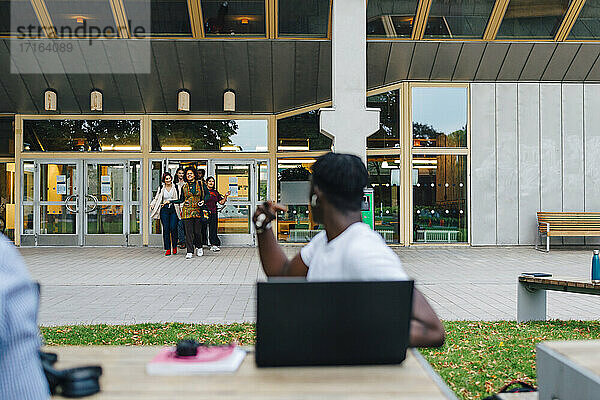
51, 203
239, 178
105, 202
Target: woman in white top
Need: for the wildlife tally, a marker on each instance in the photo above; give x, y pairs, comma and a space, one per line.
179, 182
168, 213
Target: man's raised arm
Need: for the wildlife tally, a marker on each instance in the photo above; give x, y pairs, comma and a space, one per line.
273, 259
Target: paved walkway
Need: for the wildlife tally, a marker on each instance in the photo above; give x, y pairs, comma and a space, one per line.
116, 285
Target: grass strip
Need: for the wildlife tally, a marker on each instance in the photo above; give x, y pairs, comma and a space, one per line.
477, 359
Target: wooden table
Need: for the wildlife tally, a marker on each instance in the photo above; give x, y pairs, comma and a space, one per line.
531, 294
125, 378
568, 370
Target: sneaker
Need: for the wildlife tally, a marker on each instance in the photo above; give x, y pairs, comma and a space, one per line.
168, 253
182, 245
188, 256
175, 250
200, 252
214, 248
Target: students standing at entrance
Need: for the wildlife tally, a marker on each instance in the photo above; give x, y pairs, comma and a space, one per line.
163, 208
203, 222
192, 200
180, 181
213, 197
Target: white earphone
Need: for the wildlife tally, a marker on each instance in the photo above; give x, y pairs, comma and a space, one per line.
313, 200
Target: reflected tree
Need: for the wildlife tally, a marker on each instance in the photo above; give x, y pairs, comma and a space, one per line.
199, 135
79, 135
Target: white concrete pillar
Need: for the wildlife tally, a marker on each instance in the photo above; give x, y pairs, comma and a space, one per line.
349, 121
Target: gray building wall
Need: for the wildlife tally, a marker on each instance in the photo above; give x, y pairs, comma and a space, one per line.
534, 147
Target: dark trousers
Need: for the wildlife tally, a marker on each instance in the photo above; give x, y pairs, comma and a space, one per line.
204, 231
213, 221
193, 233
181, 232
168, 218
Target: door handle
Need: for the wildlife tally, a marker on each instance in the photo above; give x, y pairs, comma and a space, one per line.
68, 206
94, 206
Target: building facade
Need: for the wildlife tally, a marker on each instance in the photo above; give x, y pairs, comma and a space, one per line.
488, 114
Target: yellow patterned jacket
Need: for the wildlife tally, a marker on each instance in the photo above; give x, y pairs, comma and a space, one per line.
191, 195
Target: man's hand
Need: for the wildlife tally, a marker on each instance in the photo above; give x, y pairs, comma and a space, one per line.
265, 213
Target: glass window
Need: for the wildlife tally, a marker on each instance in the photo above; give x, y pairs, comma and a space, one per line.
7, 137
263, 181
16, 17
7, 199
526, 19
439, 116
384, 178
587, 25
167, 17
76, 19
307, 18
388, 134
215, 135
301, 132
240, 17
391, 18
155, 174
135, 210
81, 135
439, 198
459, 20
293, 189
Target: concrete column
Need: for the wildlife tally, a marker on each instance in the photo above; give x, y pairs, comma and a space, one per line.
349, 121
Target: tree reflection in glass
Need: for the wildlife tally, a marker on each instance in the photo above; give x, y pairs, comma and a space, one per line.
81, 135
209, 135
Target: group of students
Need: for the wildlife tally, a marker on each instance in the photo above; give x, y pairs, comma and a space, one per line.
187, 208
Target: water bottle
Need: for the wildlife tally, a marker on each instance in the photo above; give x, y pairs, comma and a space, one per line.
596, 267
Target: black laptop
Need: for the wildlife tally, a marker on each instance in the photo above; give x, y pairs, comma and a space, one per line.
332, 323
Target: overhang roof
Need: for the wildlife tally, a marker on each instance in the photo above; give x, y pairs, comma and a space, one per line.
273, 76
392, 62
268, 76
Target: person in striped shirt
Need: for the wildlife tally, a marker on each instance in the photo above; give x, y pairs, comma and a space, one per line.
21, 374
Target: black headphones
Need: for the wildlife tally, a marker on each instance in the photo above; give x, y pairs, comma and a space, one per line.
73, 382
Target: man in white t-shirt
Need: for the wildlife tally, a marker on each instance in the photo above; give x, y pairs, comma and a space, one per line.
347, 249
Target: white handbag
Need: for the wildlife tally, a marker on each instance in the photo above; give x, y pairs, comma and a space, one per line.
155, 205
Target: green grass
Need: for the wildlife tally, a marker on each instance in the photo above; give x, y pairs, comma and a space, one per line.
477, 359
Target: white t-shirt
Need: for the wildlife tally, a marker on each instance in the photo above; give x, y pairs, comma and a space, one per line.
357, 254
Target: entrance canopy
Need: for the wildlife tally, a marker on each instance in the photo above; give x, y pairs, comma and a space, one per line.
269, 76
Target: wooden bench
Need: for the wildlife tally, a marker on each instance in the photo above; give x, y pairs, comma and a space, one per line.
531, 294
567, 224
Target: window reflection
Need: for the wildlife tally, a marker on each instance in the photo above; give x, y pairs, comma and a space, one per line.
384, 178
587, 25
307, 18
166, 17
463, 19
388, 134
439, 116
532, 19
7, 199
234, 17
76, 19
439, 198
15, 14
301, 132
293, 189
198, 135
81, 135
390, 18
7, 137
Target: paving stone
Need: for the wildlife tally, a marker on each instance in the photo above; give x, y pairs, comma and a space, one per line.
134, 285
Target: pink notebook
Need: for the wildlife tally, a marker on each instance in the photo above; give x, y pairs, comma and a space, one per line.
212, 359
